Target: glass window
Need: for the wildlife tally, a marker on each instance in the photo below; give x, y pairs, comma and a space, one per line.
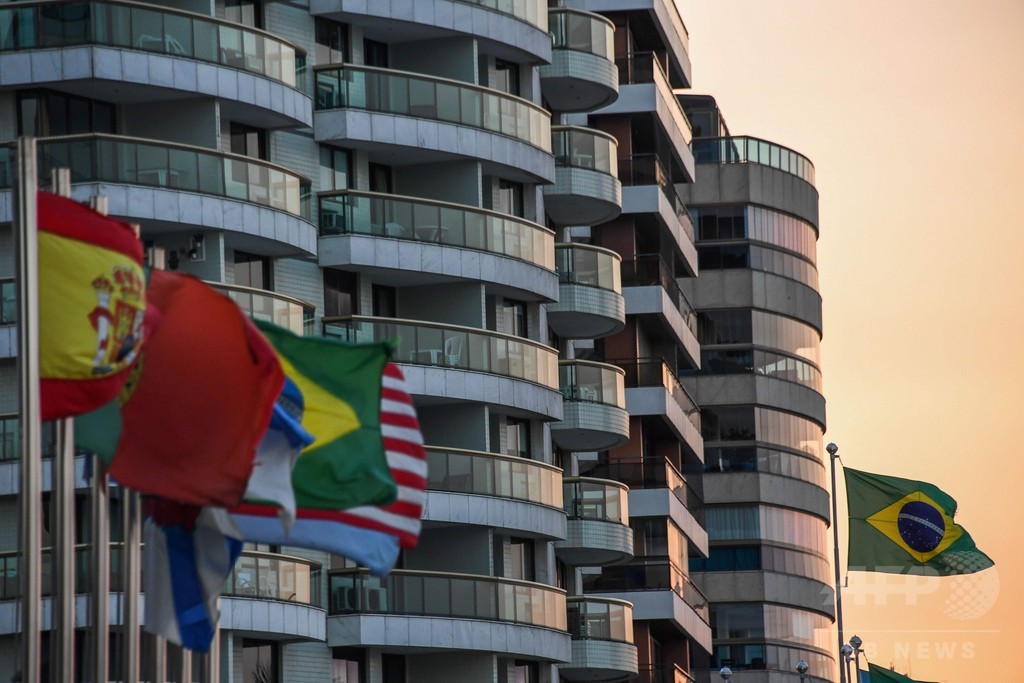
521, 559
331, 42
249, 141
335, 168
252, 270
732, 326
340, 293
506, 77
8, 303
375, 53
260, 661
245, 12
517, 437
347, 666
728, 423
510, 198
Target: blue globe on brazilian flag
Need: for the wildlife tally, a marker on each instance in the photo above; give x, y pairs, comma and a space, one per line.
904, 526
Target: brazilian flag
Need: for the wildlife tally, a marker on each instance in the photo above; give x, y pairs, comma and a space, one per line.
345, 466
903, 526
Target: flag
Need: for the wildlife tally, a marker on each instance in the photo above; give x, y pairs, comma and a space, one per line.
345, 466
91, 306
186, 561
368, 535
188, 422
877, 674
905, 526
271, 479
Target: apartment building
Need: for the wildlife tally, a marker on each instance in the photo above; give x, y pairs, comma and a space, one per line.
500, 186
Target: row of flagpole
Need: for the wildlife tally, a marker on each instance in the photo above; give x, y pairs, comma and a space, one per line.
63, 486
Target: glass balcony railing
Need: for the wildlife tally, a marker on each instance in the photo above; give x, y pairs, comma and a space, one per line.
533, 12
747, 150
582, 31
456, 596
648, 169
150, 28
596, 499
579, 147
655, 372
583, 264
648, 574
592, 618
269, 576
653, 473
454, 346
95, 157
651, 270
582, 380
647, 67
284, 311
430, 97
490, 474
352, 212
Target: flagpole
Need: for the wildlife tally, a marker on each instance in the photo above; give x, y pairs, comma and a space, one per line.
186, 665
833, 451
63, 603
99, 565
30, 501
132, 537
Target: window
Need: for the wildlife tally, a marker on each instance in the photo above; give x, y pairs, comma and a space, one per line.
392, 668
248, 141
260, 661
526, 672
521, 559
245, 12
331, 42
252, 270
8, 303
380, 178
375, 53
517, 437
513, 318
347, 665
510, 198
52, 113
734, 423
724, 257
506, 77
385, 301
340, 293
724, 327
335, 169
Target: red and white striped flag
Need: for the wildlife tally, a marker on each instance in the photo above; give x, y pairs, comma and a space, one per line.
369, 535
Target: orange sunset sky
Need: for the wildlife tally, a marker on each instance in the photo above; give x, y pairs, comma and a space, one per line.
911, 111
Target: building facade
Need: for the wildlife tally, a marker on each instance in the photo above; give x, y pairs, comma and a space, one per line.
501, 187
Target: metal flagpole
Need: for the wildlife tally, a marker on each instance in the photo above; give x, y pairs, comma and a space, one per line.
27, 252
99, 565
186, 665
159, 659
212, 659
132, 536
63, 604
833, 450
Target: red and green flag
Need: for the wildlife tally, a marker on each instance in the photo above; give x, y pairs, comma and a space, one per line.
188, 422
91, 306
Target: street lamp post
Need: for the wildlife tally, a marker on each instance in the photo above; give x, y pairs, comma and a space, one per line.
856, 642
847, 656
801, 668
725, 672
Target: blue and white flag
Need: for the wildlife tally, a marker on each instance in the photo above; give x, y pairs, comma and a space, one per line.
271, 478
186, 561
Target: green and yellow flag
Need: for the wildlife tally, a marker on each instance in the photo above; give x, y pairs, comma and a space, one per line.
902, 526
345, 466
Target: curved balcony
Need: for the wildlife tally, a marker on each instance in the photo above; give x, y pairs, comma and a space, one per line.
462, 484
590, 302
747, 150
280, 309
594, 414
582, 74
586, 190
447, 611
172, 187
176, 50
521, 25
653, 388
434, 237
275, 596
602, 640
652, 289
515, 371
431, 113
598, 531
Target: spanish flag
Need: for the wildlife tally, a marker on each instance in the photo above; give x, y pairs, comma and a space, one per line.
91, 306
